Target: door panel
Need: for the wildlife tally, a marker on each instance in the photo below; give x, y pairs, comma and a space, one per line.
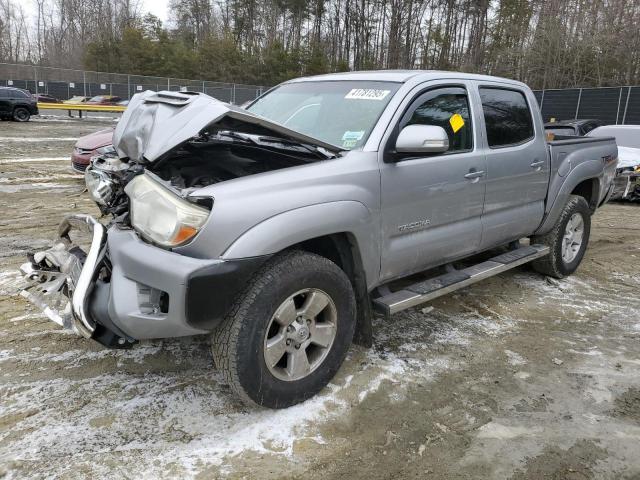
4, 102
517, 167
431, 212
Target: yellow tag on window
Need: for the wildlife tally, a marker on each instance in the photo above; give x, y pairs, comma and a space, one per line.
456, 121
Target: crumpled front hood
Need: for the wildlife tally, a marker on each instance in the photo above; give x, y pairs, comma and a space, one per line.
156, 122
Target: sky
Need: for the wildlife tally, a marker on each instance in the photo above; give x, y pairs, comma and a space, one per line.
157, 7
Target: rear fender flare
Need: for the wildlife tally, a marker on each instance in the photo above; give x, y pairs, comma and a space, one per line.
588, 170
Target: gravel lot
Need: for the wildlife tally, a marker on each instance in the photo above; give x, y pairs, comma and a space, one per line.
517, 377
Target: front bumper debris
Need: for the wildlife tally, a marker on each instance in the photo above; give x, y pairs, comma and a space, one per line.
627, 185
61, 278
124, 289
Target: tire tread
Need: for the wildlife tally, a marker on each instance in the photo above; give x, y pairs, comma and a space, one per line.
550, 264
224, 339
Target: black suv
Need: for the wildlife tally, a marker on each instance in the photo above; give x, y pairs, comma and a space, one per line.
17, 104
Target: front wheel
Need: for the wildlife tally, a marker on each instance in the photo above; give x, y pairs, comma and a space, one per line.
288, 332
567, 240
21, 115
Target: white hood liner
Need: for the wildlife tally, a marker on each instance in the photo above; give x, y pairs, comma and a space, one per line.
628, 157
156, 122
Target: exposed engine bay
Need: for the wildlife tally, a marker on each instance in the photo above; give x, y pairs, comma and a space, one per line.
205, 160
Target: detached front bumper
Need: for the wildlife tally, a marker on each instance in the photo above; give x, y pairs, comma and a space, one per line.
627, 185
65, 270
126, 290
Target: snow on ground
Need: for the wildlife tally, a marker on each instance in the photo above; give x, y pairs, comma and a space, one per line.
196, 419
7, 161
37, 139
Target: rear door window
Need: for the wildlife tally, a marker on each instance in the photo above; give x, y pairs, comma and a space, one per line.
506, 116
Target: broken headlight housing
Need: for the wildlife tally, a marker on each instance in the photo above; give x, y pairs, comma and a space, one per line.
100, 186
98, 177
160, 215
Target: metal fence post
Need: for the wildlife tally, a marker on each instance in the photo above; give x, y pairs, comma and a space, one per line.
233, 94
541, 99
128, 87
619, 100
84, 82
35, 74
626, 105
578, 106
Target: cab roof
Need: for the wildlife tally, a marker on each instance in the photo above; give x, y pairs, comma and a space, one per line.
402, 76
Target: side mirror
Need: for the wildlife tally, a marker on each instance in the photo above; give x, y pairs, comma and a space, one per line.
422, 139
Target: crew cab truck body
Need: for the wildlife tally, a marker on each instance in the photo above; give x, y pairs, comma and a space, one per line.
278, 229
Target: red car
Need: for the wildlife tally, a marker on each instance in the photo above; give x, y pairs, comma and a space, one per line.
86, 147
46, 98
104, 100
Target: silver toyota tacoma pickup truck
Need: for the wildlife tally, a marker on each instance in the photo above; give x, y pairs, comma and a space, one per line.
278, 229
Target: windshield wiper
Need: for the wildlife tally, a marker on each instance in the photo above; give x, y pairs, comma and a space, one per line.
286, 141
261, 140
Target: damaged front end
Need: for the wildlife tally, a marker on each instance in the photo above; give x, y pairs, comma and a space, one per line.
627, 184
62, 277
125, 282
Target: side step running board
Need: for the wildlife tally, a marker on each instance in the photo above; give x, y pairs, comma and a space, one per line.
436, 287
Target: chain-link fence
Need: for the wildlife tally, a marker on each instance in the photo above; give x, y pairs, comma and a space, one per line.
612, 105
64, 83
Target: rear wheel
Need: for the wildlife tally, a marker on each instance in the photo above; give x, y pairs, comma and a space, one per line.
567, 240
288, 332
21, 114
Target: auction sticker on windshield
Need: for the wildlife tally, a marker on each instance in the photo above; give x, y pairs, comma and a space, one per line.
367, 94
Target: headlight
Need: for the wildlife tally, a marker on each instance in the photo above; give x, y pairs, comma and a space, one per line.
99, 186
160, 215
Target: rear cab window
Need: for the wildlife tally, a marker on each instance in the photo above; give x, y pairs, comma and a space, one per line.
507, 117
561, 131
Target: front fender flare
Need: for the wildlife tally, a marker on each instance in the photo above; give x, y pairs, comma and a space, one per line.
298, 225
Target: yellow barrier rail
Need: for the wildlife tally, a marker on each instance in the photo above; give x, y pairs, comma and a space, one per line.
80, 107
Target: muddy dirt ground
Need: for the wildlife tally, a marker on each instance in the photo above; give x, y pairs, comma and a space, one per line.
518, 377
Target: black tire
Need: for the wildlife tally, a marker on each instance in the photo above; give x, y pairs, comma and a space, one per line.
21, 114
237, 343
553, 264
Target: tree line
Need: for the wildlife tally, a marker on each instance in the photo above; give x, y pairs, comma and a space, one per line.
546, 43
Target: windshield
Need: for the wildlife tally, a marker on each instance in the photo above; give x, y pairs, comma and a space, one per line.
342, 113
